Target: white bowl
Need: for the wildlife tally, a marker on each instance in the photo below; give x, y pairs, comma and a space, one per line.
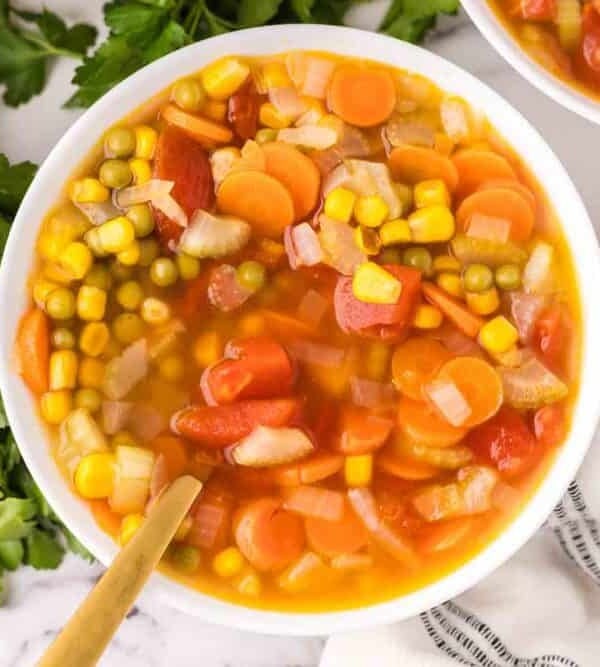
484, 17
80, 139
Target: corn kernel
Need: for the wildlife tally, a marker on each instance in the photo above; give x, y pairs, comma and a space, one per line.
94, 338
451, 283
66, 225
271, 117
154, 311
76, 259
358, 470
41, 291
130, 256
91, 303
208, 348
63, 370
88, 191
275, 75
141, 170
145, 141
228, 563
446, 264
432, 192
88, 399
373, 284
251, 324
57, 274
249, 584
94, 475
55, 406
91, 373
431, 224
129, 527
223, 78
214, 110
92, 240
339, 204
367, 240
498, 335
427, 317
483, 303
371, 210
394, 231
116, 234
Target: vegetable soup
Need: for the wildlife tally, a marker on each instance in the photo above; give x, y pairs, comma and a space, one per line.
330, 291
563, 36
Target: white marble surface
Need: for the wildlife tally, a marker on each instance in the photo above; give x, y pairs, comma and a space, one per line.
154, 635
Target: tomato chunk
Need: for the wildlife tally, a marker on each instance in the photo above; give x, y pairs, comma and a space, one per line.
184, 161
506, 442
222, 425
549, 334
255, 368
242, 110
549, 425
378, 320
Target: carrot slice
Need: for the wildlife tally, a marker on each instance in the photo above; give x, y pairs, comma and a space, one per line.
268, 536
444, 535
259, 199
203, 130
458, 314
33, 349
421, 424
297, 172
480, 385
361, 96
109, 521
332, 538
403, 468
309, 471
499, 203
415, 363
411, 164
175, 454
474, 167
510, 184
362, 432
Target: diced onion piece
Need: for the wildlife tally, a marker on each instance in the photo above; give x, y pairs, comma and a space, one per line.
314, 501
309, 136
525, 310
214, 236
400, 132
115, 415
222, 161
140, 194
317, 74
146, 422
448, 399
125, 371
224, 289
133, 472
210, 519
538, 274
287, 101
308, 572
339, 246
353, 142
98, 212
381, 180
318, 354
486, 227
267, 446
312, 308
370, 393
338, 177
352, 562
79, 436
531, 385
477, 484
164, 337
302, 246
310, 117
296, 65
169, 206
455, 119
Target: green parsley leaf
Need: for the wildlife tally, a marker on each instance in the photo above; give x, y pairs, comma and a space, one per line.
14, 181
256, 12
409, 20
139, 23
16, 515
75, 546
11, 554
43, 551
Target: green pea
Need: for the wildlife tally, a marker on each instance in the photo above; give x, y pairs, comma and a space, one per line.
264, 135
186, 558
419, 258
142, 218
188, 94
121, 272
405, 194
478, 278
115, 173
119, 142
90, 399
99, 276
189, 267
251, 275
63, 339
163, 272
128, 327
130, 295
390, 256
149, 251
60, 304
508, 277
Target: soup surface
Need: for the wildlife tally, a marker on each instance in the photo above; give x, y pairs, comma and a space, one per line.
333, 293
563, 36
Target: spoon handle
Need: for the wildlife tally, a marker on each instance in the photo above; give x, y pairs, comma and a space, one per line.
84, 638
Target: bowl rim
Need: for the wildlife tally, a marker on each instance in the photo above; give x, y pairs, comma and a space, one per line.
140, 87
508, 47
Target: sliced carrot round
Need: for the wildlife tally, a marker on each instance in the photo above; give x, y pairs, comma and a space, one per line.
499, 203
510, 184
475, 166
421, 424
297, 172
202, 129
109, 521
415, 363
411, 164
404, 468
332, 538
33, 349
362, 96
443, 535
311, 470
175, 454
268, 536
479, 383
258, 199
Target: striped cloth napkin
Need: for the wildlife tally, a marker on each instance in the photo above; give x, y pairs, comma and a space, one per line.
540, 609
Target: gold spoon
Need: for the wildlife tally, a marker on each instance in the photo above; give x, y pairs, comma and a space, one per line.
84, 638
